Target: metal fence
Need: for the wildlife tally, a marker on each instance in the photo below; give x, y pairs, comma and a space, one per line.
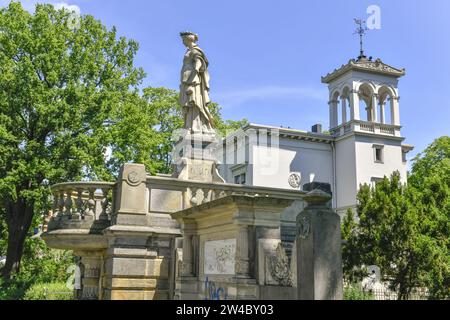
357, 291
386, 294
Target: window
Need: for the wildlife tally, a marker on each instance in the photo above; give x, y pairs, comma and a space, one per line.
378, 153
240, 179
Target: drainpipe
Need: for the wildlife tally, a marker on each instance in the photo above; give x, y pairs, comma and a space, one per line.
333, 148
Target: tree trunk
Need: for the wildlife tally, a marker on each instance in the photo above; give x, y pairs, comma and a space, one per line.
19, 217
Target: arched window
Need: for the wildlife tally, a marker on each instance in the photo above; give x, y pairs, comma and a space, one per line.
385, 105
335, 115
366, 110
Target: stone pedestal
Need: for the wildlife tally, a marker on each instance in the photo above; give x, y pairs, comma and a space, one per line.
319, 257
195, 160
230, 250
138, 258
137, 265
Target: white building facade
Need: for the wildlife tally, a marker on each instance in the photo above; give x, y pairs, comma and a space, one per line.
363, 145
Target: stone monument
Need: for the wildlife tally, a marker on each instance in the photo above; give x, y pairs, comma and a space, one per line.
193, 236
194, 151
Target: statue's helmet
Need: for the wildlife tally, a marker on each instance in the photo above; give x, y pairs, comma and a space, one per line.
190, 35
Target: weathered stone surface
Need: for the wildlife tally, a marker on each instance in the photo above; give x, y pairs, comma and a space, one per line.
132, 196
220, 257
138, 295
319, 259
138, 267
165, 200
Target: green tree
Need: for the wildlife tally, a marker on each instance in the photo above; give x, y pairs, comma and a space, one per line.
405, 230
64, 94
430, 177
71, 109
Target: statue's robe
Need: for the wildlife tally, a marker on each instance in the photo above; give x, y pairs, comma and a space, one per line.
194, 91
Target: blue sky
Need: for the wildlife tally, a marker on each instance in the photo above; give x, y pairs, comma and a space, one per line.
267, 57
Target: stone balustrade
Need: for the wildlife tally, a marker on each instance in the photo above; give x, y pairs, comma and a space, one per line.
195, 193
370, 127
82, 202
366, 126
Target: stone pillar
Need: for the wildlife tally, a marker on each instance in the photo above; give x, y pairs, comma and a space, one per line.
354, 105
132, 196
138, 257
188, 254
333, 114
395, 111
242, 253
374, 108
382, 112
319, 257
137, 265
344, 109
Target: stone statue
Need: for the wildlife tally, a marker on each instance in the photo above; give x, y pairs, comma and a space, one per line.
194, 88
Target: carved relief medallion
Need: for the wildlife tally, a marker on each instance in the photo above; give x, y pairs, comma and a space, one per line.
133, 178
294, 180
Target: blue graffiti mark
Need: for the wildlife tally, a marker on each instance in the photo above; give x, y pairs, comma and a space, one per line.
214, 293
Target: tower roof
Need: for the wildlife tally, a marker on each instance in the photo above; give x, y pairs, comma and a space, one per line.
365, 65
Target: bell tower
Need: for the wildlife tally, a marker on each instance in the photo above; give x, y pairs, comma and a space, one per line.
365, 123
364, 97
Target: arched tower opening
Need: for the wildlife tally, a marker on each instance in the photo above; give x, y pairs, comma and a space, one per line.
367, 103
386, 105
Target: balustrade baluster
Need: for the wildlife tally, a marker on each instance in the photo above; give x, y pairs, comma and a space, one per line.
90, 211
194, 199
104, 215
61, 203
78, 212
205, 195
55, 205
69, 204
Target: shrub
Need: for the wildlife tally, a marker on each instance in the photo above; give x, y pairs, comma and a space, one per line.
12, 289
49, 291
355, 292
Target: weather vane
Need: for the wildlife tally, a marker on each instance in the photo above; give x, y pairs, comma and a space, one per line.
361, 31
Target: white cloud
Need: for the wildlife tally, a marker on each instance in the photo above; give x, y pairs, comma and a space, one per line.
237, 97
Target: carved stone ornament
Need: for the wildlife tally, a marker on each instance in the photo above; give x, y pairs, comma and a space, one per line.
304, 227
279, 267
294, 180
377, 65
133, 178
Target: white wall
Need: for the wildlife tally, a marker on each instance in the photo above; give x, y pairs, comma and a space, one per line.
273, 166
346, 185
354, 161
367, 168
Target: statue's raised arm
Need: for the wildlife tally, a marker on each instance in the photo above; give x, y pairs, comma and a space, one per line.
194, 88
